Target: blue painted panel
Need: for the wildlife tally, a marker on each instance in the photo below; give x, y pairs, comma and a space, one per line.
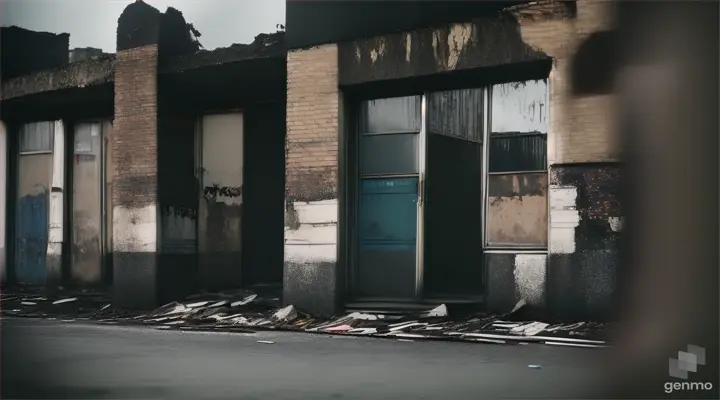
32, 238
388, 210
387, 222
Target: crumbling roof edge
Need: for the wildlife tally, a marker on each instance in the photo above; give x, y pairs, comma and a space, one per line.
74, 75
185, 64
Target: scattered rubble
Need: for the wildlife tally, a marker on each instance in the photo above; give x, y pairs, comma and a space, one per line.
247, 312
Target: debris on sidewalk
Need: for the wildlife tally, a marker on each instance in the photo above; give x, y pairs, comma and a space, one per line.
245, 311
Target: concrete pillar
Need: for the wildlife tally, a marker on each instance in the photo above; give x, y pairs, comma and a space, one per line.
311, 279
585, 212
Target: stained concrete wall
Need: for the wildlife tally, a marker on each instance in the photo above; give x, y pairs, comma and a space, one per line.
583, 153
178, 200
87, 246
587, 218
3, 194
311, 278
479, 43
221, 205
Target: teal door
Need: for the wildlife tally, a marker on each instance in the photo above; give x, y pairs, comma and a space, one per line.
387, 219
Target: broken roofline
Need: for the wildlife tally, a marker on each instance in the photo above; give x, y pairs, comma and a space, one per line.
100, 71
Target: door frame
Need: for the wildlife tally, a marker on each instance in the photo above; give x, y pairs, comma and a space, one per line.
350, 191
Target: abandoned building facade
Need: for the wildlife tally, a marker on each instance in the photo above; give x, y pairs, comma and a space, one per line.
412, 161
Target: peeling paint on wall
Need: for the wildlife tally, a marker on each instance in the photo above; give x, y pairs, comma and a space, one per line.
408, 47
616, 223
530, 271
311, 237
134, 229
564, 218
484, 42
458, 38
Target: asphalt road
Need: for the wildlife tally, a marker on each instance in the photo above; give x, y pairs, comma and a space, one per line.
52, 359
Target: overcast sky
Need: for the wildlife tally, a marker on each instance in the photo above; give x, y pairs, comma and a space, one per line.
92, 23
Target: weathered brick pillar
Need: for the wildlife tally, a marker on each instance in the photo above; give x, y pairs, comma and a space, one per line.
311, 272
135, 164
584, 172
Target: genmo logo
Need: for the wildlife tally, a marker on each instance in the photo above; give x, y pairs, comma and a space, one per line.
685, 363
687, 386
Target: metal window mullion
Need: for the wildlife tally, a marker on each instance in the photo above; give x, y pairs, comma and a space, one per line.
487, 122
422, 159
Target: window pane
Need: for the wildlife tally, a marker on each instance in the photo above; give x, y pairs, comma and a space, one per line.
517, 210
397, 114
389, 154
37, 136
518, 153
520, 107
456, 113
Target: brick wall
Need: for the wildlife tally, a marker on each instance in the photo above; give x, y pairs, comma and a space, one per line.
311, 273
581, 129
312, 123
134, 144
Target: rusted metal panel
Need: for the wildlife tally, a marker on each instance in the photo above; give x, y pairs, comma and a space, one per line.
460, 46
456, 113
517, 210
518, 153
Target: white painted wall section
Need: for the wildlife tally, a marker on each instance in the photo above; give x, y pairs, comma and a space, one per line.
530, 271
57, 186
564, 218
315, 240
134, 229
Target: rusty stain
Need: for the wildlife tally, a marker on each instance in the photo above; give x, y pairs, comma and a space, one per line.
517, 213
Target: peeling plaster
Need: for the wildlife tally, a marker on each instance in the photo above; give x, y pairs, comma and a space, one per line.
313, 239
358, 53
530, 270
564, 218
408, 46
134, 229
379, 52
458, 38
616, 223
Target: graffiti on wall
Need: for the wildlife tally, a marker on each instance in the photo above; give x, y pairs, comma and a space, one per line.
215, 191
